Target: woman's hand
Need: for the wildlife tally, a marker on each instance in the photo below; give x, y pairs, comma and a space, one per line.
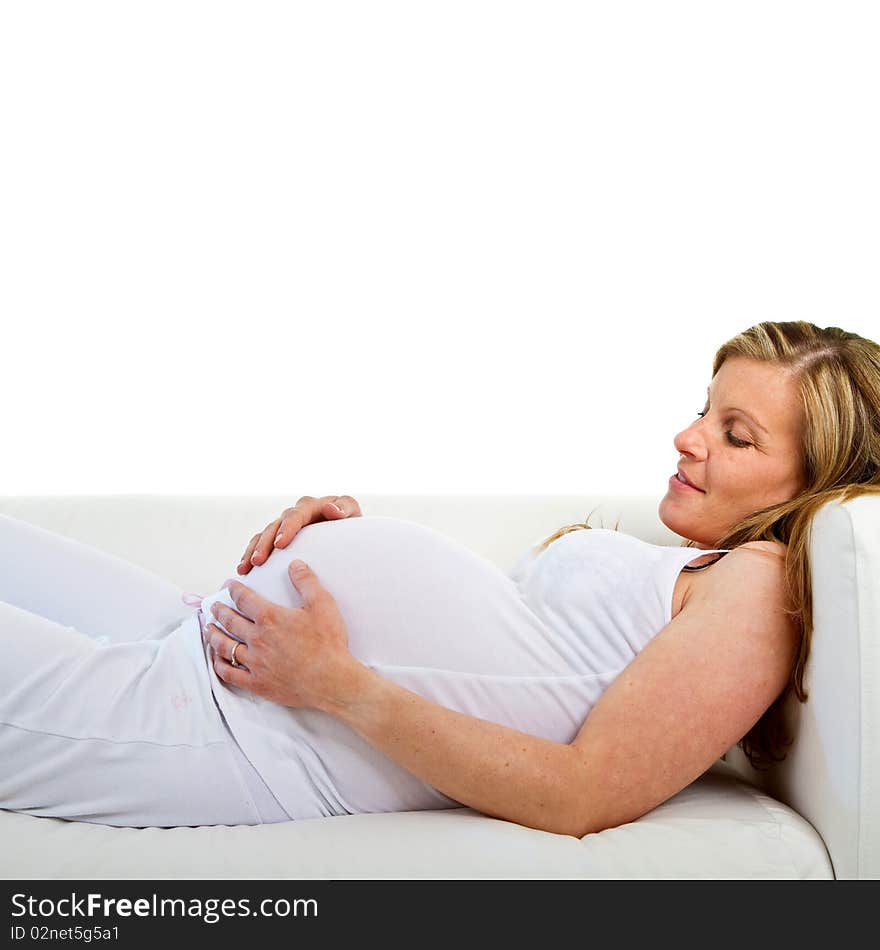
296, 656
279, 533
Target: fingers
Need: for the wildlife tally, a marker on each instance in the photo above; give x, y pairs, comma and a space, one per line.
250, 606
293, 520
346, 505
265, 541
237, 624
261, 544
306, 582
226, 647
237, 673
279, 533
257, 548
234, 675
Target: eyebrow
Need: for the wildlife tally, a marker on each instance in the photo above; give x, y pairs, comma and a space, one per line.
748, 415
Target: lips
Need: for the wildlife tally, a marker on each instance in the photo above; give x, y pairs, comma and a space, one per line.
687, 481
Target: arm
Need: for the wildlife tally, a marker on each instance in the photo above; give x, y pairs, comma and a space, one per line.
497, 770
693, 692
696, 689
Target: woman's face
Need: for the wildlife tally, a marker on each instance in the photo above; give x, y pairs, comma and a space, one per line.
744, 453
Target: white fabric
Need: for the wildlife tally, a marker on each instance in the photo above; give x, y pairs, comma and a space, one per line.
115, 723
716, 828
832, 772
534, 651
105, 714
195, 542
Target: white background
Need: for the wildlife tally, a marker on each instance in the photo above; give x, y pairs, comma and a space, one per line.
357, 247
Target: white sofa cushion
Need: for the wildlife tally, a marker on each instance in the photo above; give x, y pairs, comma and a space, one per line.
717, 828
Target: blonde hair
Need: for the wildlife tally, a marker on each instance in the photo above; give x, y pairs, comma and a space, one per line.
838, 376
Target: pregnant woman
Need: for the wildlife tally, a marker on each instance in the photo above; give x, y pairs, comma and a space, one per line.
372, 664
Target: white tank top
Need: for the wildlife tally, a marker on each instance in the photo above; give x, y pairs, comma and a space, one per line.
533, 649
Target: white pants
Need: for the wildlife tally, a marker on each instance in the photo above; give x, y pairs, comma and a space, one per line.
106, 711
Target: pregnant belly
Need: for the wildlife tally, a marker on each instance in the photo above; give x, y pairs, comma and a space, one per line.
410, 596
423, 611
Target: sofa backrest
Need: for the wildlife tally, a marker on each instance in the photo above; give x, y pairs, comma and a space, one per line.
831, 775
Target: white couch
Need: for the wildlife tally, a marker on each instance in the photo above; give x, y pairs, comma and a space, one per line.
815, 816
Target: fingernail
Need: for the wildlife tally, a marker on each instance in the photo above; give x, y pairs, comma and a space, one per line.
339, 509
254, 557
277, 537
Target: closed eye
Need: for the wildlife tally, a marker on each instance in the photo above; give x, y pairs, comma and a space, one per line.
731, 438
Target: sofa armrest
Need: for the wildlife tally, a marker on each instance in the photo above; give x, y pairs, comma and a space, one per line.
831, 774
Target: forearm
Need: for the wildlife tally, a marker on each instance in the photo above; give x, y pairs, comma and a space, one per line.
494, 769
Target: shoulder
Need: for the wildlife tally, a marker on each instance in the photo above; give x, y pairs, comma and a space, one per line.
748, 562
775, 548
751, 580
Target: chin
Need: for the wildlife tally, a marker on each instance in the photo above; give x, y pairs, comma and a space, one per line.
682, 524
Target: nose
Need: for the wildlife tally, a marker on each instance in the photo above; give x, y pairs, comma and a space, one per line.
690, 441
